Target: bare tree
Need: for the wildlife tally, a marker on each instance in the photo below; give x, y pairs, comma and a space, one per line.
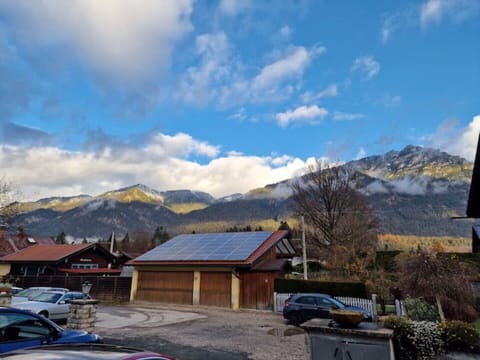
439, 279
8, 206
338, 217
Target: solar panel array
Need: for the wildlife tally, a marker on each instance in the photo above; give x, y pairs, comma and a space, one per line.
208, 247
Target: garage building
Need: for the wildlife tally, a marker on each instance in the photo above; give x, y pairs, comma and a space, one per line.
235, 269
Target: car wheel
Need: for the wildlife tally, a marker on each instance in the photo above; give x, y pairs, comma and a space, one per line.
296, 318
43, 313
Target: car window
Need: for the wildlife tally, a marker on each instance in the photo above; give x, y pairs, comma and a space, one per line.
16, 327
307, 300
27, 292
47, 297
325, 302
78, 296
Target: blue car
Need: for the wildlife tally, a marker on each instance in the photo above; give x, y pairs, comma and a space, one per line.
23, 328
301, 307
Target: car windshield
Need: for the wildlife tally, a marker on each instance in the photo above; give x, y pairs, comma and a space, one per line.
47, 297
28, 292
337, 303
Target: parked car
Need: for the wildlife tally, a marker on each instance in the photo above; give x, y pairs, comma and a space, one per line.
52, 304
84, 352
21, 329
26, 294
301, 307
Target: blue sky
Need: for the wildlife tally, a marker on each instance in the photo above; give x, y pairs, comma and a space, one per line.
225, 96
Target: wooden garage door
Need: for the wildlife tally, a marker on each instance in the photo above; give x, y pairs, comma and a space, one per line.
216, 289
256, 290
166, 286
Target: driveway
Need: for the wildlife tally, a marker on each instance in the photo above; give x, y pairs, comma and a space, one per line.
202, 333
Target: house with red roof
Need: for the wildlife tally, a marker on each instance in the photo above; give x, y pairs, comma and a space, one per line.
11, 243
234, 269
56, 259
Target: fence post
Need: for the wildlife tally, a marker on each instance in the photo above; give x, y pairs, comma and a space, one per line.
374, 308
400, 308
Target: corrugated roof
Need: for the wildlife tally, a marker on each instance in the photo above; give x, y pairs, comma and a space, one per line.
45, 253
233, 248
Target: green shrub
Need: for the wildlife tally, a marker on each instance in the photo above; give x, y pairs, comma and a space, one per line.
459, 336
419, 310
402, 335
419, 340
427, 339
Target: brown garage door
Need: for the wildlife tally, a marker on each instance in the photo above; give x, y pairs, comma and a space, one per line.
166, 286
256, 290
216, 289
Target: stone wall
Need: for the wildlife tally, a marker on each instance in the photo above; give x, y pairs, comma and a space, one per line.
83, 314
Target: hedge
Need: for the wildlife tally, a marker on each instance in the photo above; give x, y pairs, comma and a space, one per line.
334, 288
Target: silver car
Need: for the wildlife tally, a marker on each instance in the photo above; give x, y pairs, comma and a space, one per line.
53, 305
28, 293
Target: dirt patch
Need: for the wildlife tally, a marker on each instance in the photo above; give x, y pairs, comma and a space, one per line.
217, 334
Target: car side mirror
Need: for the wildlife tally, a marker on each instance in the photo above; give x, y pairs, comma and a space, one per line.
335, 307
61, 302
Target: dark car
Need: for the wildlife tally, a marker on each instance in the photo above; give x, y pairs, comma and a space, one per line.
84, 352
23, 328
301, 307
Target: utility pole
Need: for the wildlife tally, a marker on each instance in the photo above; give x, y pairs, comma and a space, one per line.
304, 251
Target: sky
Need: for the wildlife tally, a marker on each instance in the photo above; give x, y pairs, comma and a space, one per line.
227, 96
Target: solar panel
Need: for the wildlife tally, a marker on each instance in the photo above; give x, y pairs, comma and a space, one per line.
208, 247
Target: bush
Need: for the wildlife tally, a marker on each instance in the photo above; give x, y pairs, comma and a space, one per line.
459, 336
415, 339
419, 310
456, 310
402, 335
427, 339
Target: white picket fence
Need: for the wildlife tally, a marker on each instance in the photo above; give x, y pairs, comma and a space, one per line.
367, 304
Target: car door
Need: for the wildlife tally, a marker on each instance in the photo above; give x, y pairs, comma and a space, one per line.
18, 330
61, 308
307, 306
323, 307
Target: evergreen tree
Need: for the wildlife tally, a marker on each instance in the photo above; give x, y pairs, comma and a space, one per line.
160, 236
61, 238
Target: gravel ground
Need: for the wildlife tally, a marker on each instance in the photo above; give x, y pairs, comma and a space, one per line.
221, 334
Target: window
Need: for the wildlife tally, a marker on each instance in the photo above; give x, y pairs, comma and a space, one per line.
308, 300
15, 327
84, 266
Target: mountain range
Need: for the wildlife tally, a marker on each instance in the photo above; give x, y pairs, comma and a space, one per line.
415, 191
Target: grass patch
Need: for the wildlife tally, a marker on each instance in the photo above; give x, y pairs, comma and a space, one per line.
477, 325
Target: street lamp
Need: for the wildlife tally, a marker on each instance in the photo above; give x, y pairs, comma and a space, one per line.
86, 287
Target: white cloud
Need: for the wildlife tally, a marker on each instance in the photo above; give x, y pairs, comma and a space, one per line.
310, 114
435, 11
361, 153
464, 143
454, 140
162, 164
367, 66
341, 116
233, 7
427, 13
392, 100
431, 11
293, 64
285, 32
214, 68
330, 91
122, 40
220, 75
